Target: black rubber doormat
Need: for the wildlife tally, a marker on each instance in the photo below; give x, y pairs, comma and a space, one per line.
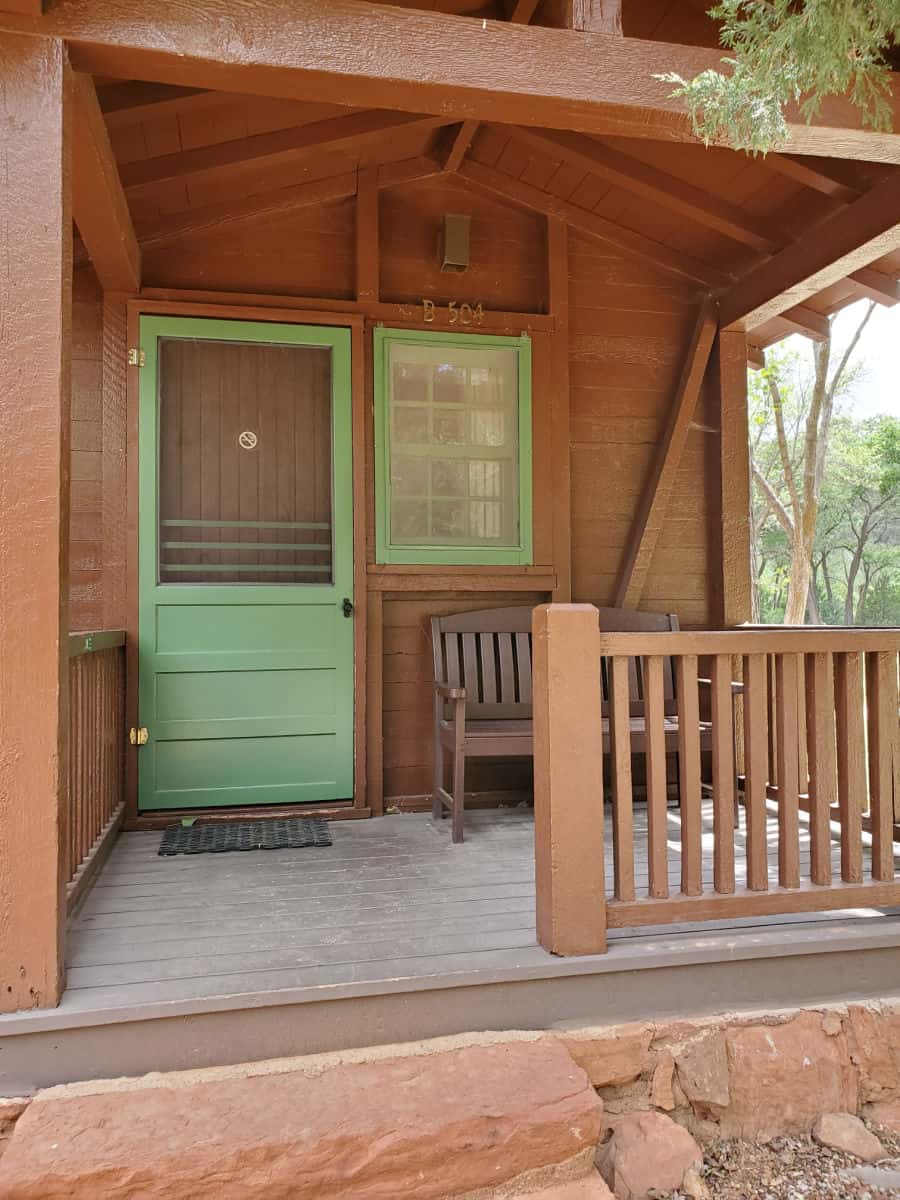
219, 837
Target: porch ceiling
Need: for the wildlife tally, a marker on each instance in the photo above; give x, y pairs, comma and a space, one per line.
192, 159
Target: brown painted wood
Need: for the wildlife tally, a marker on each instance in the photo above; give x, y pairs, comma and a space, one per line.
560, 404
853, 238
114, 449
368, 286
651, 183
98, 202
568, 781
884, 757
620, 773
498, 183
812, 174
851, 761
758, 639
723, 769
219, 161
29, 8
689, 773
788, 735
35, 299
877, 286
756, 762
658, 489
657, 798
597, 16
356, 53
728, 375
803, 319
820, 742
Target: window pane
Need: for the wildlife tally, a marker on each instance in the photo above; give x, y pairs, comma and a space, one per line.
245, 487
453, 420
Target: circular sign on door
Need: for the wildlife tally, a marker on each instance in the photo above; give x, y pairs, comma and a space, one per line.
247, 440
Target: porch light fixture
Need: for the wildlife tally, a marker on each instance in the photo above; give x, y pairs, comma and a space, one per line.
453, 242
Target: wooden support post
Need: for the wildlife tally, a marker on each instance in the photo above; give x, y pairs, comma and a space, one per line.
729, 375
35, 302
558, 303
568, 780
115, 436
655, 500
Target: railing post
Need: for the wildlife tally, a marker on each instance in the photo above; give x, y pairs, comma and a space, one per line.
568, 780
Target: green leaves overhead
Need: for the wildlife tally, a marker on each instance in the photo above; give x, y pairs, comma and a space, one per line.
786, 52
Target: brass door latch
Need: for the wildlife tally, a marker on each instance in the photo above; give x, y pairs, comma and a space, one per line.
139, 737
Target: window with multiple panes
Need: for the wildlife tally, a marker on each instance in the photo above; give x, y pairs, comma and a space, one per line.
453, 447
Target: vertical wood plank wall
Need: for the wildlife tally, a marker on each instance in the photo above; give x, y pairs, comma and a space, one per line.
622, 341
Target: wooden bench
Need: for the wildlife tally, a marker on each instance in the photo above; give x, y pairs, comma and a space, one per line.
482, 693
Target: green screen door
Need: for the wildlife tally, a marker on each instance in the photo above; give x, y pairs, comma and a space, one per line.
245, 564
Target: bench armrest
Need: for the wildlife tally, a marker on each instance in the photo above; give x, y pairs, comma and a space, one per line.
737, 686
448, 693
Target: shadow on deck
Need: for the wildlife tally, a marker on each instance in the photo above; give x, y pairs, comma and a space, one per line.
392, 934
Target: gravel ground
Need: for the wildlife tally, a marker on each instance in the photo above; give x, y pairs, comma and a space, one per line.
790, 1168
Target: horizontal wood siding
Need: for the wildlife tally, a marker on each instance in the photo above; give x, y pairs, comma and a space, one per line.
628, 332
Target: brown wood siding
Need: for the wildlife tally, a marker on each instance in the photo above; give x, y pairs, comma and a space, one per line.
628, 332
86, 513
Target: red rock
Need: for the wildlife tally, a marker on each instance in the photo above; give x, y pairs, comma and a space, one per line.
647, 1153
886, 1113
591, 1187
661, 1091
611, 1056
875, 1051
844, 1132
423, 1126
782, 1077
703, 1071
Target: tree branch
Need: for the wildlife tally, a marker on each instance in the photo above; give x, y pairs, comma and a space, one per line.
781, 513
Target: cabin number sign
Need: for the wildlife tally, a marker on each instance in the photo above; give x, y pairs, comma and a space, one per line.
452, 313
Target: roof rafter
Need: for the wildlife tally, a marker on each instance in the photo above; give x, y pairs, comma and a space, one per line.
281, 145
852, 238
807, 321
214, 217
634, 175
662, 256
876, 285
351, 52
99, 207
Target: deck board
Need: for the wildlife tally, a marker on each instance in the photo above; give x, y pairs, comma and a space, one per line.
391, 899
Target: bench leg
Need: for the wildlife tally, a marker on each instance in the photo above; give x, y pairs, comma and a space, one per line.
437, 781
459, 781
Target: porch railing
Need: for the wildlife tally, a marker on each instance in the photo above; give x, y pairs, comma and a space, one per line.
798, 725
94, 803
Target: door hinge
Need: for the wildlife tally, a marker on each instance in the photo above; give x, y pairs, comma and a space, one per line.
139, 737
137, 358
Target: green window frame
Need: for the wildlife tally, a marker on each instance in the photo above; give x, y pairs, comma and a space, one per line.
515, 549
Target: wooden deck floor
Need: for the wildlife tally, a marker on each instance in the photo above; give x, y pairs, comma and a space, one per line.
392, 899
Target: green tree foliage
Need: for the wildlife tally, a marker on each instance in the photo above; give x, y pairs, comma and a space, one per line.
855, 555
783, 52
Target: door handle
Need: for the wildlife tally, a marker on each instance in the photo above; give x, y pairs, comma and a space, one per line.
347, 607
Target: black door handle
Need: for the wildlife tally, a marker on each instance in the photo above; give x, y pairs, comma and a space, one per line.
347, 607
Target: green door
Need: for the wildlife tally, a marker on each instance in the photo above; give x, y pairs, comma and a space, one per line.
245, 564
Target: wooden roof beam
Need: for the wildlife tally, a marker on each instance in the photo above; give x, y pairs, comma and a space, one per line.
650, 516
212, 218
99, 207
651, 183
28, 8
807, 321
877, 286
589, 16
756, 357
366, 55
127, 104
852, 238
279, 146
520, 12
812, 175
660, 255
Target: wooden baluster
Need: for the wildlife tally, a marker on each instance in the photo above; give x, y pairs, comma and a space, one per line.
620, 770
851, 761
884, 756
755, 761
803, 759
689, 773
772, 718
723, 768
788, 742
655, 741
820, 742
